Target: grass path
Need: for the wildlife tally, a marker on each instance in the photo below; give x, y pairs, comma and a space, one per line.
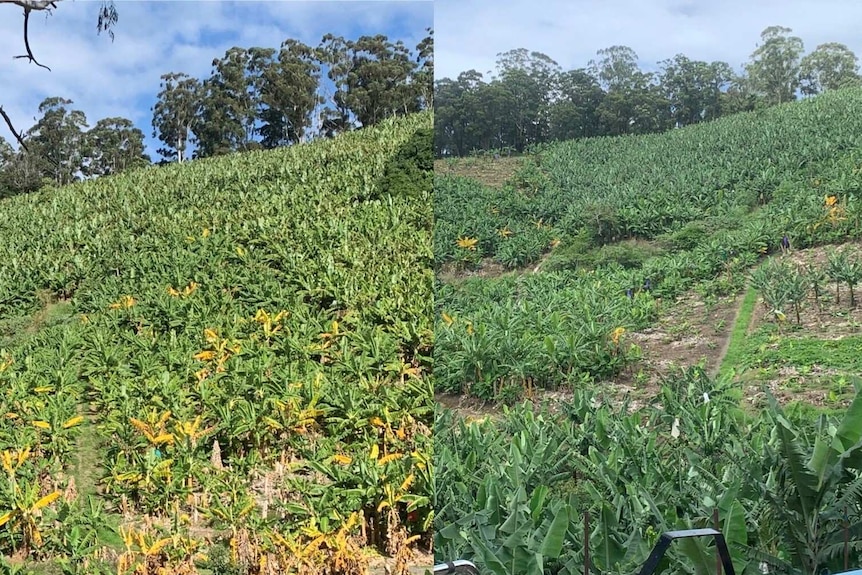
87, 467
87, 470
733, 347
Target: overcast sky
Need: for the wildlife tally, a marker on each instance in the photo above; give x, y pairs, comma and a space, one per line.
106, 79
470, 33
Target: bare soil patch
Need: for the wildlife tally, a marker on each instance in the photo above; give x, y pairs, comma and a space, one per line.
491, 172
488, 268
468, 407
689, 332
421, 562
450, 272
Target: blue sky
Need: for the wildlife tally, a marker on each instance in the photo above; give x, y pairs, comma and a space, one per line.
470, 34
121, 78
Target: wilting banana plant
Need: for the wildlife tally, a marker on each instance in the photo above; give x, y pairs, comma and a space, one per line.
22, 503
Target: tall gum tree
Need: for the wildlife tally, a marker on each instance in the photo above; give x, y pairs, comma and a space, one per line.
424, 75
616, 68
774, 67
531, 79
58, 138
112, 146
227, 109
574, 113
373, 80
693, 88
175, 113
829, 67
289, 94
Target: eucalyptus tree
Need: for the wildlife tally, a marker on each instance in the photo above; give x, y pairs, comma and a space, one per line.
7, 159
423, 76
289, 94
616, 67
530, 79
226, 116
372, 78
57, 139
693, 88
112, 146
175, 113
775, 65
633, 102
378, 83
574, 114
107, 17
829, 67
334, 52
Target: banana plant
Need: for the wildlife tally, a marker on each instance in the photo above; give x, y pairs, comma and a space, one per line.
837, 263
22, 503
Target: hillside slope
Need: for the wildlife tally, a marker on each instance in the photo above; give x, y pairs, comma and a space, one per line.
622, 226
246, 341
788, 157
645, 246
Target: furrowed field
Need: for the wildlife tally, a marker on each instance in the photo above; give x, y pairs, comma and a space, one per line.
690, 365
222, 366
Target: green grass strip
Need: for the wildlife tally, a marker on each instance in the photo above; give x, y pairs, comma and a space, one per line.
736, 347
843, 354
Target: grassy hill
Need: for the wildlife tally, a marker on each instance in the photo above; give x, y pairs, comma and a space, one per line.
230, 356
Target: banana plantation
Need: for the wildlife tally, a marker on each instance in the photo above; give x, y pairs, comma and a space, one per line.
542, 284
721, 197
221, 367
511, 495
610, 189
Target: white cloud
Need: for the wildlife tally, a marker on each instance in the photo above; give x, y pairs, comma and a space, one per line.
469, 35
121, 78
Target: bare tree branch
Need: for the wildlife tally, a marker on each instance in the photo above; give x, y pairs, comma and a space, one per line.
29, 55
107, 18
18, 136
28, 6
33, 4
